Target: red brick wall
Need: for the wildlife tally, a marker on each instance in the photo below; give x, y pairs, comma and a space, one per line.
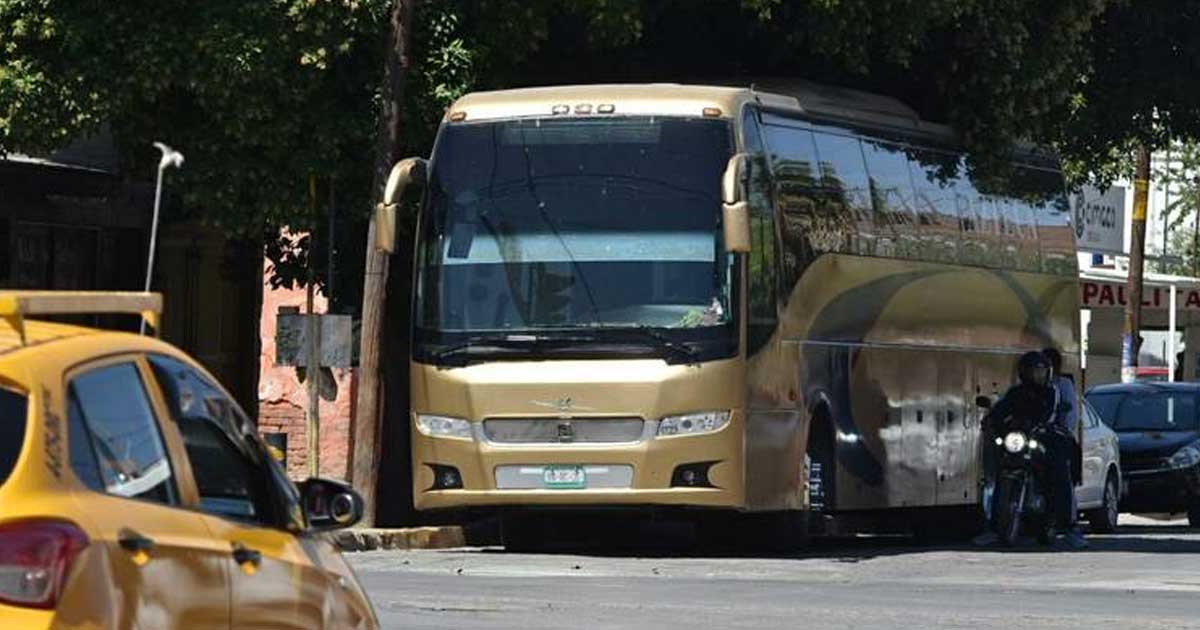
282, 398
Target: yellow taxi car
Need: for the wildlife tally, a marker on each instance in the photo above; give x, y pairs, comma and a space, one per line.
134, 493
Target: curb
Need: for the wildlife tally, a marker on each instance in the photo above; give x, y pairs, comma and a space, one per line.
368, 539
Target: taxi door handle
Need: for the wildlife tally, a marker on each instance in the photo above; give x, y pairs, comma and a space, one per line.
245, 555
134, 542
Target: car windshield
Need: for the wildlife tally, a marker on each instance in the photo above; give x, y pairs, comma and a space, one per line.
12, 431
1157, 411
541, 224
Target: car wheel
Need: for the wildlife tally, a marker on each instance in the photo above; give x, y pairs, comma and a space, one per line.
1104, 518
1194, 515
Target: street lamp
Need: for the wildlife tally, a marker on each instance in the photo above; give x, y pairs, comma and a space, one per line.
170, 157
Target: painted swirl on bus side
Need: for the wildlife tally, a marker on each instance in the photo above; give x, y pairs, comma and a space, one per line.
839, 329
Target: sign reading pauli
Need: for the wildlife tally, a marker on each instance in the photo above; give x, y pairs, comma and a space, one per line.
1109, 295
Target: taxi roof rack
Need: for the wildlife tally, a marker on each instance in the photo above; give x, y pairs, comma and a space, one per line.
16, 305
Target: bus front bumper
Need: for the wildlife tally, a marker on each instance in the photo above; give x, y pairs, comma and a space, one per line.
455, 473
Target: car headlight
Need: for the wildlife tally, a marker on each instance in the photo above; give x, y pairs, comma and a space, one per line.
1186, 457
1014, 442
693, 423
441, 426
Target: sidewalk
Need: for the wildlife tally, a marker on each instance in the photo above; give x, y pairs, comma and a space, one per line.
368, 539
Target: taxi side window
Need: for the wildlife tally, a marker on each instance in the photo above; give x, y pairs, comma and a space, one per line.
13, 409
231, 480
114, 442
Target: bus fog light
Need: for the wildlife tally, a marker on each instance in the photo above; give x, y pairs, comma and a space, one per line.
693, 423
694, 475
441, 426
445, 477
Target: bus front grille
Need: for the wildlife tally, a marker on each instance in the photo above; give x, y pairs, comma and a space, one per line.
563, 430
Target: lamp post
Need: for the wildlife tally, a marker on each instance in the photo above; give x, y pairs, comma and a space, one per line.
170, 157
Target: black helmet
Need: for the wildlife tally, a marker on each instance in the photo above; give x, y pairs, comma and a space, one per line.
1033, 368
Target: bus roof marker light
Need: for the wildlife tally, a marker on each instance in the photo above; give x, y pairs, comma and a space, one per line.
606, 108
458, 116
560, 110
583, 108
712, 112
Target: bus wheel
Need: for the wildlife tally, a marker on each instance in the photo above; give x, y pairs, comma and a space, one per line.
820, 461
788, 531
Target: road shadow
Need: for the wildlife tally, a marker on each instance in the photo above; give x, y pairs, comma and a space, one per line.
673, 542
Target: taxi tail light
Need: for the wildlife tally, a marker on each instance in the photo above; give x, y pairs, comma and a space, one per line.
35, 558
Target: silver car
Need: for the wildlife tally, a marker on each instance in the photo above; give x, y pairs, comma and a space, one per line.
1099, 494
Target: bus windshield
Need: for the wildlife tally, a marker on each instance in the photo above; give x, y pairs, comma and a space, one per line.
538, 225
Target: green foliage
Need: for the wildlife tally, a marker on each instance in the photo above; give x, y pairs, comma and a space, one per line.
261, 95
1141, 85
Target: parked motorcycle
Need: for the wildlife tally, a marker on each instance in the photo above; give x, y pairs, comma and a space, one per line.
1018, 500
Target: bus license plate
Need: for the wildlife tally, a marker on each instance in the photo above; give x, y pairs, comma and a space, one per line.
564, 477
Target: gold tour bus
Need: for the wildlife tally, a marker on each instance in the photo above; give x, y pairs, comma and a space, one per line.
722, 299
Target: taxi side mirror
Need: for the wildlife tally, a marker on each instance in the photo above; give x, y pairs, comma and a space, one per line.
330, 504
735, 209
403, 174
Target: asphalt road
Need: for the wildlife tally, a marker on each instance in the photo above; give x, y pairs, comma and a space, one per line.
1145, 577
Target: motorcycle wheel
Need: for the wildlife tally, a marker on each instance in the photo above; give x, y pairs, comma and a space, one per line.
1008, 517
1044, 534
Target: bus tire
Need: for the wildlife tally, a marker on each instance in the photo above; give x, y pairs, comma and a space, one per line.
821, 464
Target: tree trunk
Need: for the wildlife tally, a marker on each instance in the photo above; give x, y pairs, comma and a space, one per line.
367, 417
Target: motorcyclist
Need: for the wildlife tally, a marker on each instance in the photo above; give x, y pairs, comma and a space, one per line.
1067, 419
1035, 396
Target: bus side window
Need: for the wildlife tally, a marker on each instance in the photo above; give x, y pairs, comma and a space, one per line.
892, 200
1044, 191
845, 188
976, 220
804, 232
933, 174
761, 267
1018, 221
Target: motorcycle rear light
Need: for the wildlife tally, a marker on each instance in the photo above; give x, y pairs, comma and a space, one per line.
35, 558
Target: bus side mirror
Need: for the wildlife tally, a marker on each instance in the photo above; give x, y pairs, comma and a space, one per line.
405, 172
735, 210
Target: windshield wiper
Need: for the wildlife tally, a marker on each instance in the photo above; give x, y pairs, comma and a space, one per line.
679, 350
515, 341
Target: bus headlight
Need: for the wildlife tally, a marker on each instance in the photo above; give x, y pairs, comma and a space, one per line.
441, 426
1014, 442
693, 423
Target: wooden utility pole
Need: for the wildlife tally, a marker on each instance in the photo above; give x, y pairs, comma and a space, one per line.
368, 417
312, 342
1131, 339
